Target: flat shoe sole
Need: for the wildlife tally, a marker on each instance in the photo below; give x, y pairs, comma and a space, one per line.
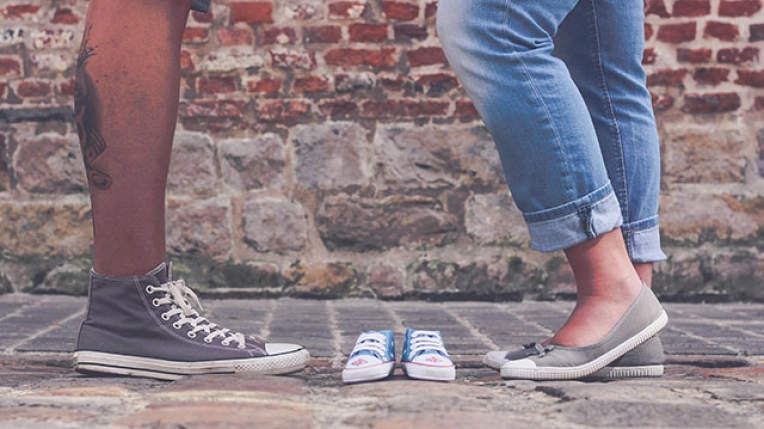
108, 363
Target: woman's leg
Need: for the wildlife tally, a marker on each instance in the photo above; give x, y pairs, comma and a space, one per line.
549, 148
602, 42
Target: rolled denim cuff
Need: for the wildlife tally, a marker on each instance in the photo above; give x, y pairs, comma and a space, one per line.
586, 219
643, 241
201, 5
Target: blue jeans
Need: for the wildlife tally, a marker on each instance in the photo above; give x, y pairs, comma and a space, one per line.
201, 5
561, 88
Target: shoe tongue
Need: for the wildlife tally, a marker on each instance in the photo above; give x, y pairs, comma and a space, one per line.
160, 272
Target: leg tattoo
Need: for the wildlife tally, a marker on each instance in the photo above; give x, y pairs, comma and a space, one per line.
88, 116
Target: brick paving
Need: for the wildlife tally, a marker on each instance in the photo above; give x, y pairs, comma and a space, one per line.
714, 373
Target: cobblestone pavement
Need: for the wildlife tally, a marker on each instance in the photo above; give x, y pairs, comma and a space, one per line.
714, 374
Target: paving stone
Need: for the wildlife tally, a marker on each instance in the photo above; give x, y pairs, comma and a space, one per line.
609, 414
214, 384
213, 415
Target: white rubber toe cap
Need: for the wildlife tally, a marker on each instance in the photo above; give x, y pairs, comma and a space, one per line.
281, 348
519, 364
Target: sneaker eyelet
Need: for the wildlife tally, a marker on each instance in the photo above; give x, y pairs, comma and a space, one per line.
165, 316
176, 325
155, 302
207, 340
191, 334
149, 289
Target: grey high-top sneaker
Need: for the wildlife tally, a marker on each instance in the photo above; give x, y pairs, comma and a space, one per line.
146, 326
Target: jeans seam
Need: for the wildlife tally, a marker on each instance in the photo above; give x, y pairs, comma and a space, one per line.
621, 173
558, 140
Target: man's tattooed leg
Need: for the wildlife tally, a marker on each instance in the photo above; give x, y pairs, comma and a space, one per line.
88, 109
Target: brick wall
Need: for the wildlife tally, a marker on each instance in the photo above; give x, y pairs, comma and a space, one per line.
325, 148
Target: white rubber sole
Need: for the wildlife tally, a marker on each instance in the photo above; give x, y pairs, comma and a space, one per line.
370, 373
107, 363
428, 372
589, 368
494, 361
622, 372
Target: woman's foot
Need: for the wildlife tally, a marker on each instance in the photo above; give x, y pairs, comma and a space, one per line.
607, 285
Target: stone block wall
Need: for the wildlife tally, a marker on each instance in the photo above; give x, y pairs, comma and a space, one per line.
324, 148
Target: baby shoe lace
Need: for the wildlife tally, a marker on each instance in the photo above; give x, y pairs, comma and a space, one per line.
372, 342
177, 295
422, 341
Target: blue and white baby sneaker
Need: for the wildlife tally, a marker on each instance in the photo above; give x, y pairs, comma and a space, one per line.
372, 358
425, 357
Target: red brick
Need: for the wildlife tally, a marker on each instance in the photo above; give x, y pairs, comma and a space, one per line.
344, 83
466, 111
346, 9
10, 66
710, 75
67, 87
339, 109
436, 84
667, 77
196, 35
426, 57
312, 83
20, 10
283, 110
392, 83
216, 85
187, 61
3, 85
252, 12
648, 31
656, 7
292, 59
691, 8
722, 31
212, 108
403, 108
264, 86
757, 32
280, 35
431, 9
754, 78
677, 33
662, 102
33, 88
737, 56
322, 34
711, 103
369, 33
235, 36
649, 55
66, 16
202, 17
400, 11
405, 32
758, 103
695, 56
739, 7
347, 57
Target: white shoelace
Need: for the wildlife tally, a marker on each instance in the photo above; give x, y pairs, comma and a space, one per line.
177, 294
373, 342
426, 340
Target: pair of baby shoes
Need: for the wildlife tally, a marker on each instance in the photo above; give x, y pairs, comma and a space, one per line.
424, 357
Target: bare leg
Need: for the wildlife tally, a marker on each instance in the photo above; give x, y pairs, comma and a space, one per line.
645, 272
127, 106
607, 284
